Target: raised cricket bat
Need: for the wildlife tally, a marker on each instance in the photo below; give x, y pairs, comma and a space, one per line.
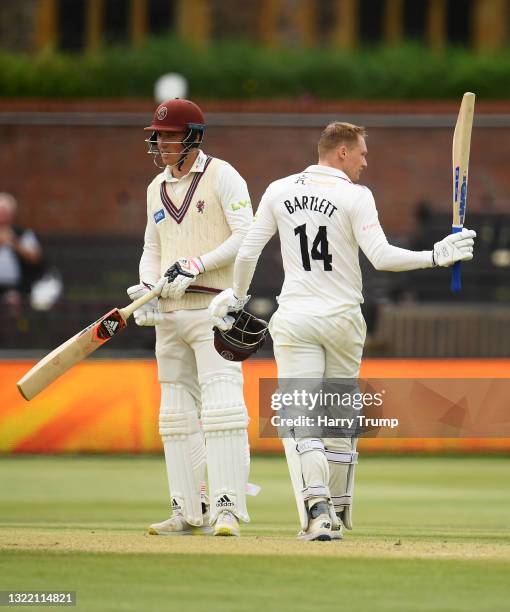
460, 162
80, 346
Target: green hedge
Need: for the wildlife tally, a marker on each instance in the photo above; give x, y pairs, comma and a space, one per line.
238, 70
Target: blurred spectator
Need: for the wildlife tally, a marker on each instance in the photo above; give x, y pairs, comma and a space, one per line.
21, 261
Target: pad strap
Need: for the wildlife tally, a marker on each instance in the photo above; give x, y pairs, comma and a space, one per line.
309, 444
342, 457
315, 491
340, 501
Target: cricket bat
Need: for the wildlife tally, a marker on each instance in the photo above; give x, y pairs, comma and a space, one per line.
460, 163
80, 346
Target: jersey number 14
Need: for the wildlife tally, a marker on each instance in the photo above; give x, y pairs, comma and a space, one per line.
319, 247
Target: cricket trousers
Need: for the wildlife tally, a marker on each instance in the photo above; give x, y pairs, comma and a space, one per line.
185, 351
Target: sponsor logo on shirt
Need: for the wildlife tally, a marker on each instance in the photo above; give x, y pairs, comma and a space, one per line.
241, 204
159, 216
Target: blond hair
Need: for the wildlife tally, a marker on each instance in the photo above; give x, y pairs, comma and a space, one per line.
338, 133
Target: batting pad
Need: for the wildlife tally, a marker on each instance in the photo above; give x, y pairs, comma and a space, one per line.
224, 421
309, 473
184, 450
342, 466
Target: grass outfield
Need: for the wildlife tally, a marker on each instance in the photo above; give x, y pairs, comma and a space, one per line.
431, 533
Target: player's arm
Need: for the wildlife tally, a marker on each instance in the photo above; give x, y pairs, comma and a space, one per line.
235, 201
384, 256
261, 231
259, 234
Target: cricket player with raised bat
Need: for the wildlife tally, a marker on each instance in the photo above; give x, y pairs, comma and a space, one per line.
198, 212
323, 217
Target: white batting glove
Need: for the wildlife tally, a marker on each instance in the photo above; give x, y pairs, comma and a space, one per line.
453, 248
221, 305
180, 275
148, 314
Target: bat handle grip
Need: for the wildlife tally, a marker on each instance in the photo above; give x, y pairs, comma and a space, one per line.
456, 283
127, 311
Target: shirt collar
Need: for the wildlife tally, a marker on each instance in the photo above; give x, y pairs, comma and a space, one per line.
317, 168
198, 166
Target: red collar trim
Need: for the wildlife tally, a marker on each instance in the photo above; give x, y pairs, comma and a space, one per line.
178, 214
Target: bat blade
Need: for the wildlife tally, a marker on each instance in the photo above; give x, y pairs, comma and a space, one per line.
81, 345
70, 353
460, 167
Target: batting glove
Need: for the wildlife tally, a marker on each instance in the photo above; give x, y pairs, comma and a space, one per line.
222, 304
148, 314
453, 248
180, 275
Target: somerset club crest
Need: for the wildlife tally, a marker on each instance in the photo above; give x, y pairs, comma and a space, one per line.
200, 206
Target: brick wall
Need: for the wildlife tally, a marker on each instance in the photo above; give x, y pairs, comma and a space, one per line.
91, 179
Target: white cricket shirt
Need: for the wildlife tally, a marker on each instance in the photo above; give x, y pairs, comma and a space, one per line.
322, 218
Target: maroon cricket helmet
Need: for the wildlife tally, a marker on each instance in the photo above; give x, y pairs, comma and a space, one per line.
178, 115
245, 337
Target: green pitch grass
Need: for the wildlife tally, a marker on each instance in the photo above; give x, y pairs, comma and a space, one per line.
430, 534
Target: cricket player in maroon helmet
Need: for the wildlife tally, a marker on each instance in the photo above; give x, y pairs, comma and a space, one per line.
198, 212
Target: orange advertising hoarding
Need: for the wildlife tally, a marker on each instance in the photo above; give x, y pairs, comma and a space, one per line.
112, 406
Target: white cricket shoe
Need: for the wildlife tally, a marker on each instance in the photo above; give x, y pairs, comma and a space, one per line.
227, 524
177, 525
319, 525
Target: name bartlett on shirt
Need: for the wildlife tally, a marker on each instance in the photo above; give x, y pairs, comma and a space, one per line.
312, 203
